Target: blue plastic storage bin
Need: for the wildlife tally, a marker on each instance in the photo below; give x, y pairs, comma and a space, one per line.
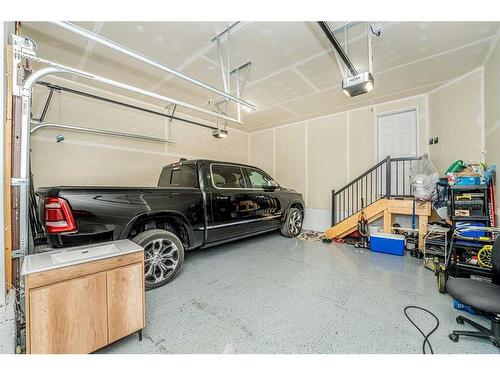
471, 233
467, 180
387, 243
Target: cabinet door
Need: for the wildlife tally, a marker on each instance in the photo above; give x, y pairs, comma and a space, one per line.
125, 300
70, 316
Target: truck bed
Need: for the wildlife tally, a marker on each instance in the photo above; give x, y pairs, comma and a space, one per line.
105, 213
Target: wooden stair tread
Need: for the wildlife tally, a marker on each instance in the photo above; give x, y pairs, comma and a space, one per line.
376, 210
350, 224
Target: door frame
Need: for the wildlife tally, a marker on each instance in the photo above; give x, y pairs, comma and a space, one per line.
395, 112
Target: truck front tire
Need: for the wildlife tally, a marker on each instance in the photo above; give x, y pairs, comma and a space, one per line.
292, 225
163, 256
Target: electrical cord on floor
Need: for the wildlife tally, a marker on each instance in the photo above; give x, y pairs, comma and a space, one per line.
426, 336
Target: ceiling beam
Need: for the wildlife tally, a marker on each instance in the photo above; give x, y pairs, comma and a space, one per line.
343, 55
69, 70
128, 52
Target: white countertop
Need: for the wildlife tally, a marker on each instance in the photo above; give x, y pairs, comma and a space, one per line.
71, 256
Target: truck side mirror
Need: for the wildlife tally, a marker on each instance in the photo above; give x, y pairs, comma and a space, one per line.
272, 184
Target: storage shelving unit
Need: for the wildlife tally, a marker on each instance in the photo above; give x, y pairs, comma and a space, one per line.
436, 243
462, 248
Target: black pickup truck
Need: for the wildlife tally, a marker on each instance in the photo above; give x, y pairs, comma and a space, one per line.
198, 203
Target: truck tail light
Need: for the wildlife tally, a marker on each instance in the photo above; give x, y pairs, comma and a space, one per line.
58, 216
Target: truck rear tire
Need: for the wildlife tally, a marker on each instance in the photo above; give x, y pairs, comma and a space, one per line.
163, 256
292, 225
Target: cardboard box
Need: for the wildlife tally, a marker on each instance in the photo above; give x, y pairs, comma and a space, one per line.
462, 213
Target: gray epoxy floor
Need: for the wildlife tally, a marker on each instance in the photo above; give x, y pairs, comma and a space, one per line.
270, 294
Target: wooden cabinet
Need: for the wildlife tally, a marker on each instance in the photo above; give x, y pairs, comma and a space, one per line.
81, 308
125, 315
67, 310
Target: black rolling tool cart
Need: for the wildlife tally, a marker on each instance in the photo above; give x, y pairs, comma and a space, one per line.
470, 233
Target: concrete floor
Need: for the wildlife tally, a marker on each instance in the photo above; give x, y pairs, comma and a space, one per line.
7, 326
269, 294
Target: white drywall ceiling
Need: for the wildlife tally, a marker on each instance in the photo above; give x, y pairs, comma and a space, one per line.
294, 74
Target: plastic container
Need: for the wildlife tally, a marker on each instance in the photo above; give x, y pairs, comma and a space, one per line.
471, 233
374, 229
386, 243
441, 209
460, 306
467, 180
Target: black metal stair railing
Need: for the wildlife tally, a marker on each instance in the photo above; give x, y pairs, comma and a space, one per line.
388, 178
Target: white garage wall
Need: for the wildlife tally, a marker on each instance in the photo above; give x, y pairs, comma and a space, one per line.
88, 159
457, 118
325, 153
339, 147
262, 154
326, 140
291, 164
492, 110
327, 165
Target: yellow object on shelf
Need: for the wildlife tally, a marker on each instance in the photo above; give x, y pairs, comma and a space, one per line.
484, 256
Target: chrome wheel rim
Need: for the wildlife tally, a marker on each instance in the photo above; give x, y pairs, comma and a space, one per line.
161, 257
295, 223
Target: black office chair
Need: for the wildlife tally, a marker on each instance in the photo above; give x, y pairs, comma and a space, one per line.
481, 296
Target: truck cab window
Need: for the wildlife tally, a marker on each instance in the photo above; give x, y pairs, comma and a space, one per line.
164, 180
259, 179
181, 176
189, 177
227, 177
175, 179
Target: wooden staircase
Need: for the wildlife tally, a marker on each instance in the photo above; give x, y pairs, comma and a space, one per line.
384, 191
372, 212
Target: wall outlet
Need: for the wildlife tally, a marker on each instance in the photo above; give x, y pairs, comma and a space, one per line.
433, 140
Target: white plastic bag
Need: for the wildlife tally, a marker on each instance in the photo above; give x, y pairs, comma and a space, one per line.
423, 177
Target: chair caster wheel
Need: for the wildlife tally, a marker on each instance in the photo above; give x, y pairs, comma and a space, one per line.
459, 320
496, 343
453, 337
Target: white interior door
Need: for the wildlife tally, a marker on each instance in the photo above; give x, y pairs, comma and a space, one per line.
397, 134
397, 137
